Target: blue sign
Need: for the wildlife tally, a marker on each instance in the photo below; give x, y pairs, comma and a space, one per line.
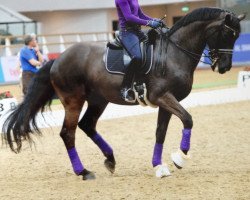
1, 73
242, 50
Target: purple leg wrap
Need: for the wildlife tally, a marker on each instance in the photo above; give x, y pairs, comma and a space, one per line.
75, 161
185, 142
102, 144
157, 155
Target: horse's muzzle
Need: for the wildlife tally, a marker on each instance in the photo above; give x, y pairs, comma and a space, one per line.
224, 70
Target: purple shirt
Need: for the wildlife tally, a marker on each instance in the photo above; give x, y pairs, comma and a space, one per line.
130, 13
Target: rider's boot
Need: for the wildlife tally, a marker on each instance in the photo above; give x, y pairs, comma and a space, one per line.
127, 92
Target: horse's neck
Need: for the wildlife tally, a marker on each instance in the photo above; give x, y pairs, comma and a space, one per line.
191, 37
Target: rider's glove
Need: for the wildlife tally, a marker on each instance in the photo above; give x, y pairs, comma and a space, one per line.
153, 24
157, 20
160, 21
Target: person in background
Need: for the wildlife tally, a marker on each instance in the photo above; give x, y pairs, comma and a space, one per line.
30, 59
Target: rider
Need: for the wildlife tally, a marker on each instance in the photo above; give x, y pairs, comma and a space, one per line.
131, 18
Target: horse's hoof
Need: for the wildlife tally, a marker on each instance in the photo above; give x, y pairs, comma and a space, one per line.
162, 171
110, 165
87, 175
177, 166
179, 159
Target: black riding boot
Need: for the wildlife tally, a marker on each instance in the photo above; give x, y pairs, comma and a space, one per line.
127, 92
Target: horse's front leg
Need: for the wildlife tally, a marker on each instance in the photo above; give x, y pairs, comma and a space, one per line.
169, 103
161, 169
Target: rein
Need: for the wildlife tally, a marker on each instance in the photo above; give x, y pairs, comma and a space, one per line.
213, 54
191, 54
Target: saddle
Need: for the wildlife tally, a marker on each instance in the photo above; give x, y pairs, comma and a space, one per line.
117, 59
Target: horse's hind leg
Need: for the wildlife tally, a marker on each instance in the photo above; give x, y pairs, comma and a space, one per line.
88, 125
73, 105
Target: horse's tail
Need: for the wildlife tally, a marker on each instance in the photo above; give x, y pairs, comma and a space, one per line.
20, 122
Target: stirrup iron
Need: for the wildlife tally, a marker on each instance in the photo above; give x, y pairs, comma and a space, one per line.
126, 94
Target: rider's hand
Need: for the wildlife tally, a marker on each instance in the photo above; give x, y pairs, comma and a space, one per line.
157, 20
161, 21
154, 24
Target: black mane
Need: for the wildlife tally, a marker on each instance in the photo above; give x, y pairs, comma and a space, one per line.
200, 14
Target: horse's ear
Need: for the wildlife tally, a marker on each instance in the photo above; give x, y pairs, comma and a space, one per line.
242, 16
228, 19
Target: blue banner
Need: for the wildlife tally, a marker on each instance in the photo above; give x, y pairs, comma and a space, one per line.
1, 74
242, 50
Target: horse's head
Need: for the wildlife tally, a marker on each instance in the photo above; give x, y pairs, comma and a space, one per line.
221, 36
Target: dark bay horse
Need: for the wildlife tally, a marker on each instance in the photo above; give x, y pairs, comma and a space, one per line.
79, 75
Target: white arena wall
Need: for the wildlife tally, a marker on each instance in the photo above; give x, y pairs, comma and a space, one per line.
214, 97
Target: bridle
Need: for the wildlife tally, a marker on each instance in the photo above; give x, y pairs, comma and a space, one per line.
212, 54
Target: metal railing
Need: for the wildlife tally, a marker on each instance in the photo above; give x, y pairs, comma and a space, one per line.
53, 43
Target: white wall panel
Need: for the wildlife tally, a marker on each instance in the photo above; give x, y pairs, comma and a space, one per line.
45, 5
71, 21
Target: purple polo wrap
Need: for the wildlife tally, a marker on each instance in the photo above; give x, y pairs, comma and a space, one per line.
102, 144
75, 161
185, 142
157, 154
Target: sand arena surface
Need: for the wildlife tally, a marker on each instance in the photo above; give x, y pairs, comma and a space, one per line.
219, 168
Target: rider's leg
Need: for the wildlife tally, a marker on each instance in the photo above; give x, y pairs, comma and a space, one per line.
126, 91
132, 44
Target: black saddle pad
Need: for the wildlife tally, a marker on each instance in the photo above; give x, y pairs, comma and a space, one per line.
114, 60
